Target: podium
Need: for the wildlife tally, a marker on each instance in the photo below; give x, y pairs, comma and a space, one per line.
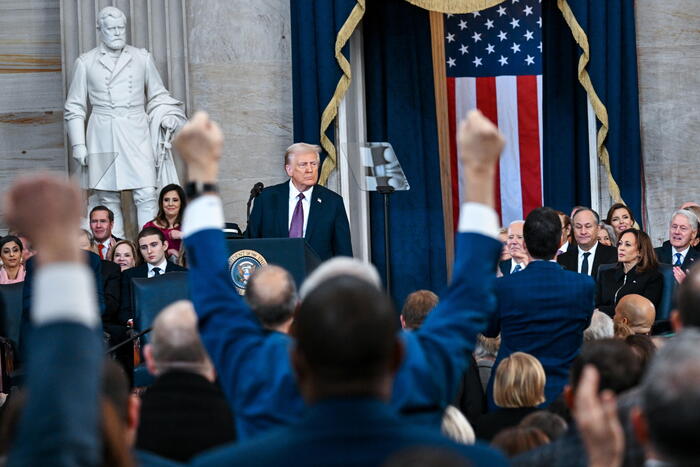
293, 254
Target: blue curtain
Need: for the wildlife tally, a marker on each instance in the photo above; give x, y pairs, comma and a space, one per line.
315, 70
401, 110
610, 29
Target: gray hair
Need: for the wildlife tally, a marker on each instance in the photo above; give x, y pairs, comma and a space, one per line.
690, 215
456, 426
671, 398
175, 340
601, 327
301, 148
340, 266
519, 221
109, 12
611, 233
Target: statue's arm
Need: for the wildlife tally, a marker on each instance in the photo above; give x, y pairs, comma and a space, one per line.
76, 112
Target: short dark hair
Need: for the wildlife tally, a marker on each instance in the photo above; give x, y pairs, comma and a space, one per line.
595, 214
615, 207
109, 212
688, 298
517, 440
148, 231
553, 425
619, 368
279, 300
542, 232
417, 306
647, 256
346, 331
643, 347
11, 238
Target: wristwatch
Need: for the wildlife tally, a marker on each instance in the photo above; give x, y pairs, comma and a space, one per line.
195, 189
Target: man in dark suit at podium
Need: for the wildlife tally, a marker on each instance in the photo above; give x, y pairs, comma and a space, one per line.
300, 208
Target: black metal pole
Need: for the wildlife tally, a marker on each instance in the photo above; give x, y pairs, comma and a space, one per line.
386, 191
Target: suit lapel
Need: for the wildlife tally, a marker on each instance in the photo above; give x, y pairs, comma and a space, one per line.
690, 259
124, 58
316, 211
105, 60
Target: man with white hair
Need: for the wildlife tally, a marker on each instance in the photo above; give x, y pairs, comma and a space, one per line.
683, 229
601, 327
515, 244
254, 364
301, 209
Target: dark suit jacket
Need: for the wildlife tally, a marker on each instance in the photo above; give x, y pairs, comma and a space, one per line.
111, 281
343, 431
492, 423
665, 255
603, 255
614, 281
327, 230
125, 311
543, 311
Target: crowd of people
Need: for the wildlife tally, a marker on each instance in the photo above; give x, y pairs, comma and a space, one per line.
547, 347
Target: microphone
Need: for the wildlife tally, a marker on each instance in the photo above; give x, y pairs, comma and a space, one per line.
254, 193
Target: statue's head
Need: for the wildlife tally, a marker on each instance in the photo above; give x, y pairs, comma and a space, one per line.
111, 22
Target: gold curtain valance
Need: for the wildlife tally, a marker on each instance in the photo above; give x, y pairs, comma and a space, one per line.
455, 6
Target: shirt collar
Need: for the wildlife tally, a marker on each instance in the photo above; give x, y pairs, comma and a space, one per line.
162, 266
591, 251
682, 252
293, 192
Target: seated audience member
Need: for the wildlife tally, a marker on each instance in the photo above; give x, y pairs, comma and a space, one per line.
345, 356
589, 254
272, 295
567, 242
517, 390
12, 269
637, 272
643, 348
634, 313
125, 255
667, 419
485, 355
517, 440
27, 250
619, 369
101, 224
183, 413
516, 248
416, 307
456, 426
620, 218
110, 275
238, 345
606, 235
503, 237
171, 205
551, 424
471, 398
543, 311
683, 229
601, 327
687, 312
153, 247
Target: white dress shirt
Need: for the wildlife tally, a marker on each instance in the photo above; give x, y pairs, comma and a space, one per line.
590, 258
305, 204
104, 247
514, 263
683, 254
162, 267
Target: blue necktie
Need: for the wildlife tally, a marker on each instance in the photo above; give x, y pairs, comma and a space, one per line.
678, 260
518, 268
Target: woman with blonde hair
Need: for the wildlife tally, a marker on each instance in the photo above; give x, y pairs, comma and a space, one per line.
518, 389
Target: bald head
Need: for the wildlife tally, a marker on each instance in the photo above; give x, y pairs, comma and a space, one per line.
637, 312
175, 341
272, 295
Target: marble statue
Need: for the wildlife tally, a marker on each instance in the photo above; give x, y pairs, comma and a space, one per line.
133, 118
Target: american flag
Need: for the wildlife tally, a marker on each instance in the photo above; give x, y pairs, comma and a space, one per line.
494, 63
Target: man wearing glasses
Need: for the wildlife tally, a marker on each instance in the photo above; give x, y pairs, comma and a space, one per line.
300, 208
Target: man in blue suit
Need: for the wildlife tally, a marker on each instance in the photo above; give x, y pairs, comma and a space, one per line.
300, 208
253, 364
544, 309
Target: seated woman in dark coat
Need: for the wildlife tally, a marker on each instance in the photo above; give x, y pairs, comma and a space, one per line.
637, 272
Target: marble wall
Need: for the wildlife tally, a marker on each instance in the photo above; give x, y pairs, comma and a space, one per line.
668, 47
241, 73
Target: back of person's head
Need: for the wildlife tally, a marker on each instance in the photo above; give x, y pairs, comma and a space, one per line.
637, 312
272, 295
416, 307
175, 342
340, 266
551, 424
456, 426
643, 347
687, 312
619, 368
542, 233
670, 396
519, 382
517, 440
346, 339
601, 327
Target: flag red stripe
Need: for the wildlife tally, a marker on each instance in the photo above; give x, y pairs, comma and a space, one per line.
529, 139
486, 102
454, 167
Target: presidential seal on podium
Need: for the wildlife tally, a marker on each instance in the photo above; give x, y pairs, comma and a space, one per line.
241, 265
